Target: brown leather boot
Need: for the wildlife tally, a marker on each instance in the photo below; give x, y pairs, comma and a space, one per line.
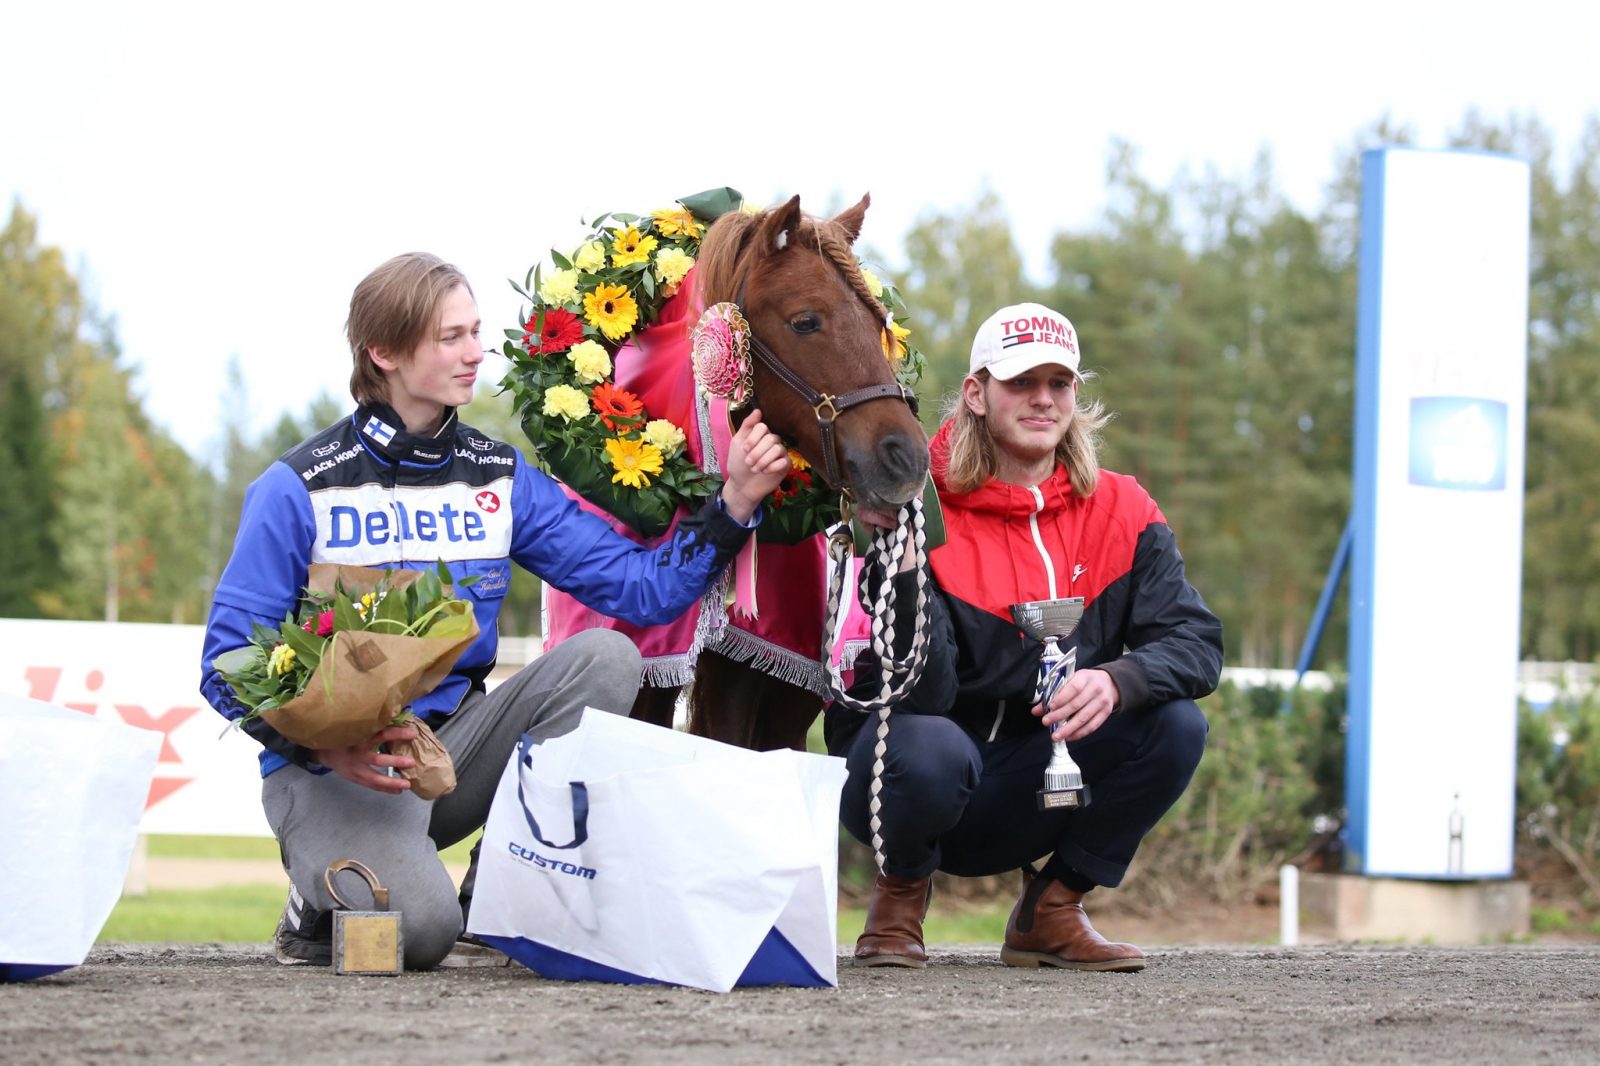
1048, 928
893, 936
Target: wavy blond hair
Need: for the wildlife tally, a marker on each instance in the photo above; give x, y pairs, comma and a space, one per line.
972, 448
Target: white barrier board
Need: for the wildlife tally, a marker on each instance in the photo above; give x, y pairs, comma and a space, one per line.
207, 778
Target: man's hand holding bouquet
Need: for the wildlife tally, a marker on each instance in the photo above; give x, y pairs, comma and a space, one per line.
338, 676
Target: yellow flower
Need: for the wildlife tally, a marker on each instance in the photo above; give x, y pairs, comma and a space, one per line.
900, 333
628, 247
633, 460
748, 208
591, 362
672, 264
874, 286
674, 223
797, 461
664, 435
566, 401
611, 310
560, 287
281, 660
590, 256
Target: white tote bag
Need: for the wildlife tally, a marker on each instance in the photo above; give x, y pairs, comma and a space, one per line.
626, 852
72, 788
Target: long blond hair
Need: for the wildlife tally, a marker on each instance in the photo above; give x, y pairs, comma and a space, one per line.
972, 449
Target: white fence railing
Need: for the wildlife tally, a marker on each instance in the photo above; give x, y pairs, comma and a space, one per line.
207, 780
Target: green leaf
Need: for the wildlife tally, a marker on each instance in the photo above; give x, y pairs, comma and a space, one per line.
392, 608
453, 621
236, 661
307, 648
713, 203
345, 615
560, 260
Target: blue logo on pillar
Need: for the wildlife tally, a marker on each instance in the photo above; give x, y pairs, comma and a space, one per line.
1458, 442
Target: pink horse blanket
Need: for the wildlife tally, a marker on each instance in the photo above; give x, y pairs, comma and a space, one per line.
770, 614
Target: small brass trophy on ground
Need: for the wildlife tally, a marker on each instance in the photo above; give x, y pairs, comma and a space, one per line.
364, 942
1052, 621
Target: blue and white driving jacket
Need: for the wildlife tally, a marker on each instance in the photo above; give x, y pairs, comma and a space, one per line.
364, 492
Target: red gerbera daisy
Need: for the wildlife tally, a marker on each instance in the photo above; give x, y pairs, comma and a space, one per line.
560, 330
797, 482
611, 402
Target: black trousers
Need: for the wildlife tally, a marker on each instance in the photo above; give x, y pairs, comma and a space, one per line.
965, 805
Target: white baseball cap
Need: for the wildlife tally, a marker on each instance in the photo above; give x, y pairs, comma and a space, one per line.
1021, 337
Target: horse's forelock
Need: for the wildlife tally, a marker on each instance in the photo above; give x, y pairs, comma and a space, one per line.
728, 255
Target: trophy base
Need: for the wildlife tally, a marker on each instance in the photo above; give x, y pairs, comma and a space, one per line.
1062, 798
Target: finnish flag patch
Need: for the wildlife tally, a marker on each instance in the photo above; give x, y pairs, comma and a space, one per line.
378, 430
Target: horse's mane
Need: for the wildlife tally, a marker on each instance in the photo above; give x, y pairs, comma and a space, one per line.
729, 253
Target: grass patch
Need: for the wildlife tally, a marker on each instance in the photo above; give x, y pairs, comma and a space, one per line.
236, 914
231, 914
1548, 920
254, 848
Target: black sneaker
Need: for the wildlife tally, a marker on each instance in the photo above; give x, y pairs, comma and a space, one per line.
304, 936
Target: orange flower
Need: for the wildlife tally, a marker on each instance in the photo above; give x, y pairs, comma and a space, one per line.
797, 482
611, 402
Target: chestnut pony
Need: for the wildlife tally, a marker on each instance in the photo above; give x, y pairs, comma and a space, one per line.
822, 383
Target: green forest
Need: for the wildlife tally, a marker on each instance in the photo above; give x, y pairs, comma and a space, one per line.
1219, 320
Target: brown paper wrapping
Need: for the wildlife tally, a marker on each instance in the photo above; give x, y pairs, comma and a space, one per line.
434, 774
365, 679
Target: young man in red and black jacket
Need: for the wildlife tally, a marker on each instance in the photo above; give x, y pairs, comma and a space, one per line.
1029, 515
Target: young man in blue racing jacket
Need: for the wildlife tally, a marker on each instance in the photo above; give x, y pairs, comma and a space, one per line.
402, 483
1029, 515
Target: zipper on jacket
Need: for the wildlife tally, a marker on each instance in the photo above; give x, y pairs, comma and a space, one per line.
1038, 541
994, 730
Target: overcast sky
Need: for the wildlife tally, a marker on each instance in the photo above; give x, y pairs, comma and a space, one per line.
221, 175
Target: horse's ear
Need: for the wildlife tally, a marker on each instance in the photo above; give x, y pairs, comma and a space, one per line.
851, 220
777, 229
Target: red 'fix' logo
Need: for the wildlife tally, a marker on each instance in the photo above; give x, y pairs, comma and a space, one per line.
487, 501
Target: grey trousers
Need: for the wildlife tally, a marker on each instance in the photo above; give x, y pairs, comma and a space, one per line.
320, 818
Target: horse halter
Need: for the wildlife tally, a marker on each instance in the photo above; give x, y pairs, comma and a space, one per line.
825, 406
828, 407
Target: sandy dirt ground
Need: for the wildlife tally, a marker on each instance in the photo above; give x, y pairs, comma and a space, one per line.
159, 1004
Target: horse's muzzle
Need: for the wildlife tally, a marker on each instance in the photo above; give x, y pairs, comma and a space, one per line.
894, 473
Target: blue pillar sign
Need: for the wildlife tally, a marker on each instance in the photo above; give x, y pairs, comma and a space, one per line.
1436, 564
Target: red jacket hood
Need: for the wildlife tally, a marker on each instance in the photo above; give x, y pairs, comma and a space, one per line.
992, 555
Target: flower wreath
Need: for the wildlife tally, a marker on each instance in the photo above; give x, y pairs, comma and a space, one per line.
598, 438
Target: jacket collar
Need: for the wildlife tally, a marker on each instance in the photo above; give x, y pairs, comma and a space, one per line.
383, 434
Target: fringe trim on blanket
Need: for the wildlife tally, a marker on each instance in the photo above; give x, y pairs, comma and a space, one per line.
769, 658
850, 651
669, 671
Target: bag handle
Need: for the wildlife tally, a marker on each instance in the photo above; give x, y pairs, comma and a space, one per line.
580, 804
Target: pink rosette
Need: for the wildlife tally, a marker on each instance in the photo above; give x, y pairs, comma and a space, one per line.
721, 354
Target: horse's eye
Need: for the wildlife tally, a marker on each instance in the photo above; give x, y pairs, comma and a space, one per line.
807, 322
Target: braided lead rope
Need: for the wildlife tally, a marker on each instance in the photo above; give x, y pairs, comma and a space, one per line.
898, 677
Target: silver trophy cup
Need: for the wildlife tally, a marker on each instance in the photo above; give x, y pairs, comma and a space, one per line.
1051, 622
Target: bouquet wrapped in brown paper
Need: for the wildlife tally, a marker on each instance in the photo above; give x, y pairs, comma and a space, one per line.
365, 644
